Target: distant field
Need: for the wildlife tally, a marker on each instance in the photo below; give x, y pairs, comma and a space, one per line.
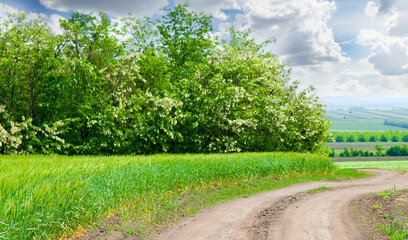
365, 120
339, 146
397, 164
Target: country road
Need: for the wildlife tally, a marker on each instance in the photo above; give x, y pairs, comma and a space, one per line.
288, 213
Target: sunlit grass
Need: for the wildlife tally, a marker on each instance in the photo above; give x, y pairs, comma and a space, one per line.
47, 196
373, 164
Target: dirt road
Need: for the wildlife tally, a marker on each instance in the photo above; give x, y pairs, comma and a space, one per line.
288, 213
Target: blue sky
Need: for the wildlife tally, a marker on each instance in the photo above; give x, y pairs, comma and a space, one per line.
342, 47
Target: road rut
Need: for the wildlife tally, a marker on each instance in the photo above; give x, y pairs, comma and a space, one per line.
288, 213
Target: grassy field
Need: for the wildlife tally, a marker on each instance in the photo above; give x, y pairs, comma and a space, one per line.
388, 164
46, 197
365, 120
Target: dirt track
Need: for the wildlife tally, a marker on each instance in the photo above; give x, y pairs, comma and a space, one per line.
287, 213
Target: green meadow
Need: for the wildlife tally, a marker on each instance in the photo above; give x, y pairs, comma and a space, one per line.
365, 120
398, 164
48, 197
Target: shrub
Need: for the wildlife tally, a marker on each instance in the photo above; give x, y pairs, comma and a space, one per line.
372, 139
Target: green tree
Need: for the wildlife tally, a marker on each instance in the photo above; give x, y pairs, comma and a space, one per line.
394, 139
383, 139
378, 149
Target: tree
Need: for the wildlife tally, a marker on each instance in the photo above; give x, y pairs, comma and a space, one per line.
372, 139
166, 86
383, 139
378, 149
394, 139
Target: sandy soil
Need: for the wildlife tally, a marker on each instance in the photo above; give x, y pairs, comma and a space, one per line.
289, 213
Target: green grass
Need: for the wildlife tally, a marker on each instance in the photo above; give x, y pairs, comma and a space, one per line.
367, 120
319, 189
43, 197
373, 164
362, 125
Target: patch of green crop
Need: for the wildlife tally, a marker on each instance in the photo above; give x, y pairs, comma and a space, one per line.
373, 164
44, 197
319, 189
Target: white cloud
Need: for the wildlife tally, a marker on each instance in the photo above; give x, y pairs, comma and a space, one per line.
116, 8
390, 58
300, 27
389, 40
52, 20
5, 9
371, 9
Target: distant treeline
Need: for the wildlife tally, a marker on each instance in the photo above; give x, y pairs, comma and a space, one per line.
392, 151
358, 136
396, 123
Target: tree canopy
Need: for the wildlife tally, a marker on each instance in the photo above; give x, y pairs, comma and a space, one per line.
151, 86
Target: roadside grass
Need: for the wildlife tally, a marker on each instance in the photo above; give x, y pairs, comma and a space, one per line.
47, 197
319, 189
394, 224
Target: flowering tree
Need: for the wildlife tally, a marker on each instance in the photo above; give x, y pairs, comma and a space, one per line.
152, 86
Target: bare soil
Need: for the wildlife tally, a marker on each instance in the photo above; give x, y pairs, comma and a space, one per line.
290, 213
372, 210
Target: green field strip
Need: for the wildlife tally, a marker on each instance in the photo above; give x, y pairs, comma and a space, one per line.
366, 114
359, 116
383, 164
389, 115
363, 125
402, 114
334, 116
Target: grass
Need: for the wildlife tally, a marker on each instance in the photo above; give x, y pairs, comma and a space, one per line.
372, 164
365, 120
395, 225
362, 125
43, 197
319, 189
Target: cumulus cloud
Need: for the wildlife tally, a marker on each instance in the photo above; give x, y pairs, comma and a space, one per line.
371, 9
52, 20
116, 8
386, 6
351, 82
6, 9
300, 27
389, 40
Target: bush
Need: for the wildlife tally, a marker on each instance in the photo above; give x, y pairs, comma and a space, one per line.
351, 139
361, 138
339, 139
372, 139
397, 151
383, 139
394, 139
171, 88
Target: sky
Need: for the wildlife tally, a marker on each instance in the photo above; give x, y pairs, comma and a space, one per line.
341, 47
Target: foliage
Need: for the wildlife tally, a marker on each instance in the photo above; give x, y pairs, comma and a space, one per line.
371, 136
397, 123
45, 197
397, 151
391, 151
152, 86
